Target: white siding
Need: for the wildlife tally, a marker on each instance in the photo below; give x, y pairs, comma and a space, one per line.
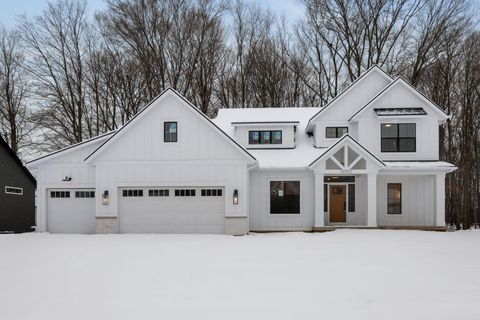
260, 217
345, 106
417, 201
426, 126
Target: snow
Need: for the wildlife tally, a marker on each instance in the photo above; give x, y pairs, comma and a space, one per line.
300, 157
400, 111
422, 165
357, 274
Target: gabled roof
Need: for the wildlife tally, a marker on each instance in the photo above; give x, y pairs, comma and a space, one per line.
348, 138
17, 160
146, 109
73, 147
399, 81
374, 68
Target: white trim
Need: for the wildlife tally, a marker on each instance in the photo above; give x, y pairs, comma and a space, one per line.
14, 193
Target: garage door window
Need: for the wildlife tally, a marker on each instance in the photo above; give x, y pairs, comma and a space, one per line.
184, 192
211, 192
158, 193
84, 194
60, 194
133, 193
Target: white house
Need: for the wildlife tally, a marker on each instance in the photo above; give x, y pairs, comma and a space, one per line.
368, 159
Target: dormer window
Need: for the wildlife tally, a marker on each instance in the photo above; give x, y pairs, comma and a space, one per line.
335, 132
170, 131
265, 137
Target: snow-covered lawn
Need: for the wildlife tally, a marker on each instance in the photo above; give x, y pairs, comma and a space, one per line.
347, 274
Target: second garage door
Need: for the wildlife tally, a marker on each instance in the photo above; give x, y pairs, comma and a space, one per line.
172, 210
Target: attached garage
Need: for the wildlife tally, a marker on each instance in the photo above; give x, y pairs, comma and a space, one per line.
171, 210
71, 211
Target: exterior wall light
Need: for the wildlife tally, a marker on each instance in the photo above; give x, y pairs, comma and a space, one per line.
235, 196
105, 198
67, 178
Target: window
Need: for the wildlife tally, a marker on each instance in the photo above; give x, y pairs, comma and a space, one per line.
158, 193
14, 190
394, 198
184, 192
335, 132
84, 194
285, 197
211, 192
325, 198
398, 137
170, 132
132, 193
351, 198
265, 137
59, 194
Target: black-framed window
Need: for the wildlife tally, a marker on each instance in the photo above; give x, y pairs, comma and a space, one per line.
394, 198
185, 192
351, 198
211, 192
158, 192
335, 132
170, 131
398, 137
132, 193
325, 198
84, 194
265, 137
59, 194
285, 197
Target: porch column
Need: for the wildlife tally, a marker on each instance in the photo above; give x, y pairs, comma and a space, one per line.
372, 199
440, 199
319, 222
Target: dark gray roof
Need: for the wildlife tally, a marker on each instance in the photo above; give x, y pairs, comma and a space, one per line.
383, 112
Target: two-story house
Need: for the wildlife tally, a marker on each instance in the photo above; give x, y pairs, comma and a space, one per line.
368, 159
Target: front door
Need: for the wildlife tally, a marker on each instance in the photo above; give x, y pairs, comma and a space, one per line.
337, 203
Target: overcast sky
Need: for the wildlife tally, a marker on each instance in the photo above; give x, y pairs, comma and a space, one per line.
10, 9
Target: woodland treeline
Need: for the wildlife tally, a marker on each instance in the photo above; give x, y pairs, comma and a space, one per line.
65, 76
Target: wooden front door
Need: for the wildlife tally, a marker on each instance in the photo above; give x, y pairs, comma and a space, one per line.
338, 203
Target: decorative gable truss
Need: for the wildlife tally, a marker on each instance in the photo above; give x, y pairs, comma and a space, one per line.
346, 156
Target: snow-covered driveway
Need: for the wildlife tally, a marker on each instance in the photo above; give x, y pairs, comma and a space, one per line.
347, 274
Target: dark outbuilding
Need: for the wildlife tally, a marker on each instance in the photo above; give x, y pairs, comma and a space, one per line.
17, 193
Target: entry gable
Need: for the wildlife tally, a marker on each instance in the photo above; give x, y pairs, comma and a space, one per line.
400, 94
347, 156
142, 138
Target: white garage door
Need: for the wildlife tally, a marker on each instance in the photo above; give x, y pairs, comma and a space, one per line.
172, 210
71, 211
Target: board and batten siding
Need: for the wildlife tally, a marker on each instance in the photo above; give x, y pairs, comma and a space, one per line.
138, 156
260, 218
418, 205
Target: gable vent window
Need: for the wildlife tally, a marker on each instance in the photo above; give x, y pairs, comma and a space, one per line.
170, 132
335, 132
398, 137
59, 194
158, 193
265, 137
14, 190
211, 192
132, 193
84, 194
184, 192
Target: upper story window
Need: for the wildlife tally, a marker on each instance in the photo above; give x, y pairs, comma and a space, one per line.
265, 137
398, 137
335, 132
170, 131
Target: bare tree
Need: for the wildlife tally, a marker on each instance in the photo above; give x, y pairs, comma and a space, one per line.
14, 121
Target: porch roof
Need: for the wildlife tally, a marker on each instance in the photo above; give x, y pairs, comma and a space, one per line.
419, 165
